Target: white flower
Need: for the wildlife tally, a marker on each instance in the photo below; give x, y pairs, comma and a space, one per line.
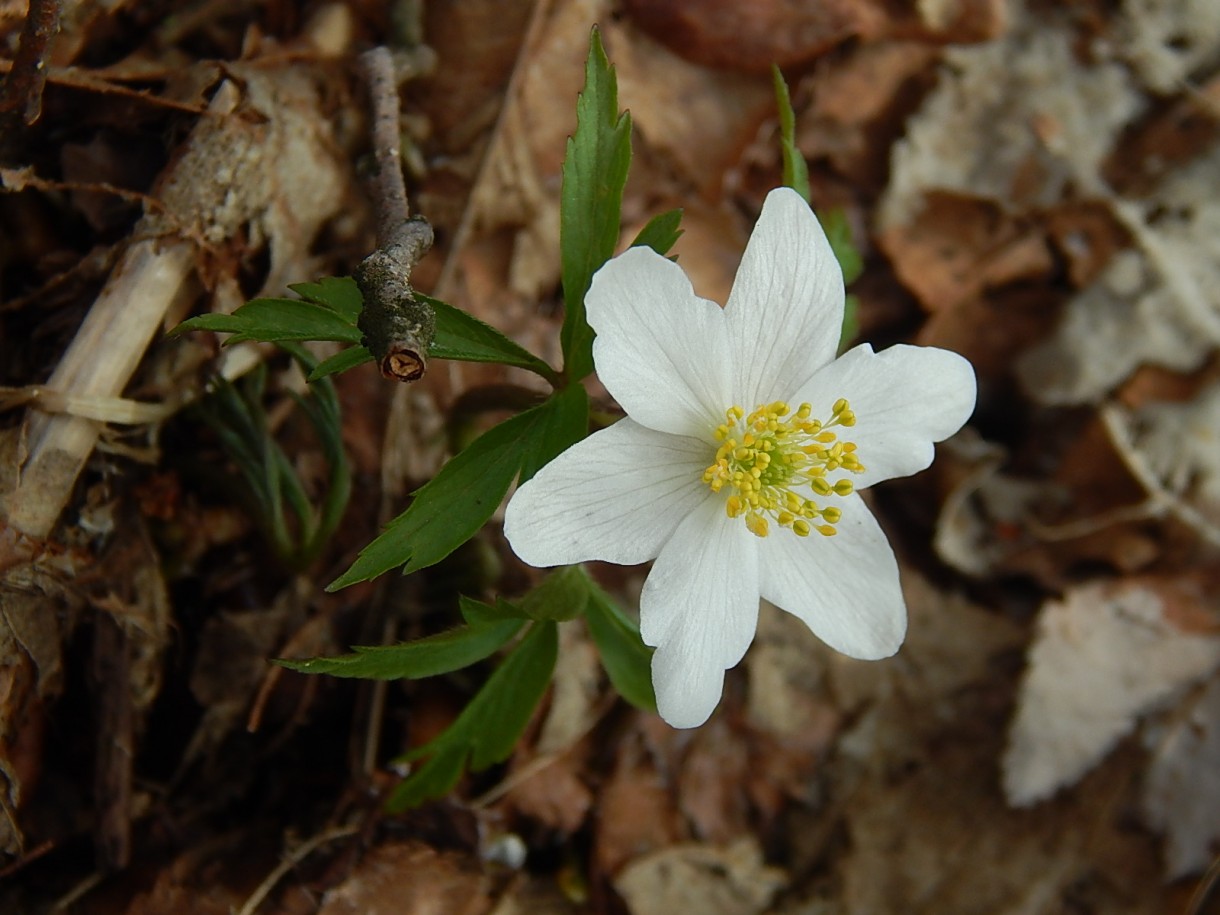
735, 467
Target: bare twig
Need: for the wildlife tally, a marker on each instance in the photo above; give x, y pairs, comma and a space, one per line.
119, 326
1205, 890
389, 190
126, 315
22, 90
398, 327
291, 860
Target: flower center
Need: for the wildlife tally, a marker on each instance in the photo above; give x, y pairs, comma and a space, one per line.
764, 457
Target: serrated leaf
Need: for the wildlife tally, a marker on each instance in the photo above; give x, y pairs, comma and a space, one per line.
796, 171
449, 509
594, 174
339, 293
562, 422
475, 612
490, 726
329, 309
220, 324
464, 337
627, 660
426, 657
661, 232
341, 362
276, 320
560, 596
273, 320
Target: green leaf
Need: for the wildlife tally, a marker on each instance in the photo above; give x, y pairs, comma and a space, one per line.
796, 171
427, 657
628, 661
274, 320
563, 421
450, 508
490, 726
662, 231
834, 222
851, 322
464, 337
338, 293
594, 175
341, 362
221, 324
329, 309
434, 779
562, 595
276, 496
322, 407
476, 612
838, 233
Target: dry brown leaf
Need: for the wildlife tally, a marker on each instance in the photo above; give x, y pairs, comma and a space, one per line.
700, 120
961, 21
476, 44
1037, 117
1181, 443
536, 896
736, 36
961, 246
712, 777
710, 249
231, 663
787, 686
982, 520
858, 103
575, 690
32, 625
1086, 234
1153, 304
951, 646
273, 174
636, 809
1167, 43
188, 887
914, 790
931, 835
1103, 657
410, 878
1182, 788
546, 779
708, 879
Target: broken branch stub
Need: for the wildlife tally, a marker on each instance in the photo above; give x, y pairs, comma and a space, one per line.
398, 328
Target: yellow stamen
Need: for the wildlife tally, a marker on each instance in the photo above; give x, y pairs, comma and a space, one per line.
766, 458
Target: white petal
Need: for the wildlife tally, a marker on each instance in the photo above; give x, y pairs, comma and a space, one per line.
905, 398
845, 588
699, 607
785, 312
661, 350
617, 495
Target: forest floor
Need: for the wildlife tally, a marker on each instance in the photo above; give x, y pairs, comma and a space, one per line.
1032, 184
